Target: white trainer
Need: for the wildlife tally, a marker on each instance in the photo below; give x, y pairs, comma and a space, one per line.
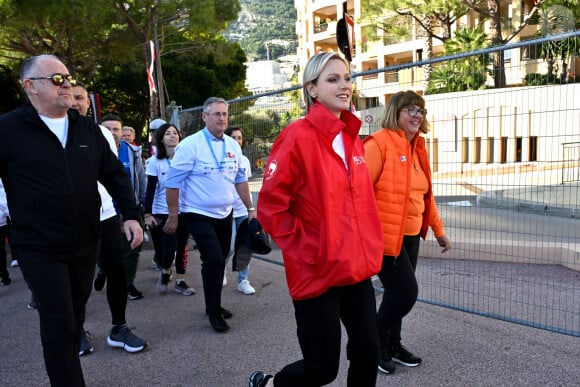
14, 263
246, 288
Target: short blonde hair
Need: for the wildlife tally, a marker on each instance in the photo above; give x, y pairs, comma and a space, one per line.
399, 101
312, 71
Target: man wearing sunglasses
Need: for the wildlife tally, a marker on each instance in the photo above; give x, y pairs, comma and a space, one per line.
54, 202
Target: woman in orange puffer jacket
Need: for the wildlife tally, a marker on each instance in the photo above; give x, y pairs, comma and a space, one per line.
399, 166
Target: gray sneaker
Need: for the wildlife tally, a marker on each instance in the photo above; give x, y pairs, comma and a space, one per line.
86, 346
162, 282
125, 339
183, 288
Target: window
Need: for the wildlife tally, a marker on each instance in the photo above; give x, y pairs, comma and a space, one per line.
490, 149
533, 148
477, 150
503, 150
518, 149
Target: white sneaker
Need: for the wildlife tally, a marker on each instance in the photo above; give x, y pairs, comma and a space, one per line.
14, 263
246, 288
225, 281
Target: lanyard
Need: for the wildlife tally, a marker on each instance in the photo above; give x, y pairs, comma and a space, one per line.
208, 140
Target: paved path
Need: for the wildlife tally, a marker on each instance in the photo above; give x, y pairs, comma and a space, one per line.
458, 349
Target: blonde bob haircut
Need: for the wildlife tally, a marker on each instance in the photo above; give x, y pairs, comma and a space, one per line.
399, 101
312, 71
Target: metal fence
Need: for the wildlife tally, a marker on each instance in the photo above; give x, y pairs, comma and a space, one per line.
506, 176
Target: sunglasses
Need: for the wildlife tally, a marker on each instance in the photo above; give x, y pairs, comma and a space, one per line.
414, 110
58, 79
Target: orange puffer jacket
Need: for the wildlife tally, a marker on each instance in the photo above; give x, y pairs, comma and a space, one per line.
392, 188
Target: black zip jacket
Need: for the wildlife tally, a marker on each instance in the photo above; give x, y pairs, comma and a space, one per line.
52, 191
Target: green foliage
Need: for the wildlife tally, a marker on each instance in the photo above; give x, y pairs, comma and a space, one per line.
540, 79
467, 73
262, 23
10, 98
105, 44
216, 70
382, 14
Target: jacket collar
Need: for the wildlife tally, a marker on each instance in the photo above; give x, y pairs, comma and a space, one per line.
324, 121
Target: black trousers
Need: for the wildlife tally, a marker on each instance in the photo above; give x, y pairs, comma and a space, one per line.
4, 233
212, 237
111, 262
173, 246
401, 290
319, 334
61, 285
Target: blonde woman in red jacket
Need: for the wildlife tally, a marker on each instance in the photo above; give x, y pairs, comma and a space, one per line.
399, 166
317, 203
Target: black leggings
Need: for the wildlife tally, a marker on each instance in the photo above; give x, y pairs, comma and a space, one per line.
319, 334
173, 246
4, 232
401, 290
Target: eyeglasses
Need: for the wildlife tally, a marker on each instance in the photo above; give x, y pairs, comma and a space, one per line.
58, 79
218, 115
414, 110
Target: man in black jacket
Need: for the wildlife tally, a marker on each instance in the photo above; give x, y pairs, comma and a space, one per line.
50, 161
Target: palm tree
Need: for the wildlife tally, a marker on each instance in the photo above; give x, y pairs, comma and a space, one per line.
467, 73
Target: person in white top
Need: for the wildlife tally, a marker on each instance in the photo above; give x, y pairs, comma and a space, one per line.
4, 233
206, 171
240, 213
173, 246
110, 255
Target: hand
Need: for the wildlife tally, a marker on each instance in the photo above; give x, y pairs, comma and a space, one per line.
170, 224
150, 221
252, 214
133, 232
444, 242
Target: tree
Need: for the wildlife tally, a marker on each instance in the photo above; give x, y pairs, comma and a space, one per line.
557, 19
492, 10
102, 41
195, 20
444, 13
435, 17
465, 73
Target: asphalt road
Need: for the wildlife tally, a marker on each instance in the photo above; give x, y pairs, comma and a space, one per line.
459, 349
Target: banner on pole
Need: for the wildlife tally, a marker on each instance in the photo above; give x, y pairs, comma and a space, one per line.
150, 79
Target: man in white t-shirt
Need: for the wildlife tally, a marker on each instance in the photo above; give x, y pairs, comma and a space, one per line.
207, 168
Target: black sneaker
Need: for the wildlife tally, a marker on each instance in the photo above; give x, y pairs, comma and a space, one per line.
86, 346
386, 365
125, 339
218, 323
226, 314
133, 293
259, 379
99, 282
5, 280
402, 356
32, 305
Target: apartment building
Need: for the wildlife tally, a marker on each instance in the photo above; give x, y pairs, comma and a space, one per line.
316, 31
471, 130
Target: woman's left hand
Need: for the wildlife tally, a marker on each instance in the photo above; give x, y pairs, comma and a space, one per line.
444, 242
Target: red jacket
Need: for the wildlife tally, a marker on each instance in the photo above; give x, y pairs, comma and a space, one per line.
322, 216
392, 188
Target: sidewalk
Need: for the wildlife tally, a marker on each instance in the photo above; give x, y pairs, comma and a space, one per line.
458, 349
